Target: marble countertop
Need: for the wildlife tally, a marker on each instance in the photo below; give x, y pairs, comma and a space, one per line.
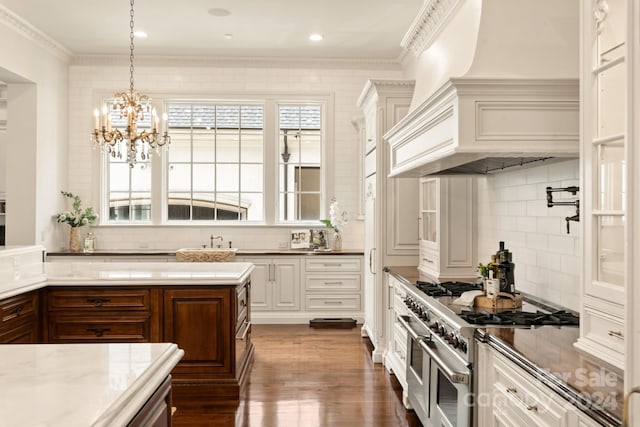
146, 273
172, 252
80, 384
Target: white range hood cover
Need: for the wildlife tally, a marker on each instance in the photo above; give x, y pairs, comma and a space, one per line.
495, 79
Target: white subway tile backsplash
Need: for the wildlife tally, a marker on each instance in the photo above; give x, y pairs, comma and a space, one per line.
537, 174
537, 241
562, 244
547, 259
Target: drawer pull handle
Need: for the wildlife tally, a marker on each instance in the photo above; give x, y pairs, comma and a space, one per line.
333, 283
98, 302
333, 302
512, 390
99, 331
243, 336
18, 310
333, 264
532, 408
617, 334
428, 260
243, 303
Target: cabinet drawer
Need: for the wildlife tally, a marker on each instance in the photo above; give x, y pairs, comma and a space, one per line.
241, 308
78, 329
21, 333
604, 329
515, 391
99, 300
333, 283
18, 307
333, 302
335, 264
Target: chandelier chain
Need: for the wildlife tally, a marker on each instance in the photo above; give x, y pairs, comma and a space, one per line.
132, 106
131, 46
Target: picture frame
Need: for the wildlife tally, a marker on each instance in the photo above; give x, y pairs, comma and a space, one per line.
300, 238
319, 239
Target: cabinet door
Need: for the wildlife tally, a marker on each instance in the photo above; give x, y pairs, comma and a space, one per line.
370, 249
286, 284
261, 298
199, 321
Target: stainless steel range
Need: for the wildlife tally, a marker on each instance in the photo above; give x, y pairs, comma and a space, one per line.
441, 352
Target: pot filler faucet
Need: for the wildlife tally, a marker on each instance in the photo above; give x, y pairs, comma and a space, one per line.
551, 203
212, 238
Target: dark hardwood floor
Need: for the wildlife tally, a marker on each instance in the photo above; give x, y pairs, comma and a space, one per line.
306, 377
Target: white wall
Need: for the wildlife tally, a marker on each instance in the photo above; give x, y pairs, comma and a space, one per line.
513, 208
89, 80
35, 70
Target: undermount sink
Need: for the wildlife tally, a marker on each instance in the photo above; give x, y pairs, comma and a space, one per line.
206, 254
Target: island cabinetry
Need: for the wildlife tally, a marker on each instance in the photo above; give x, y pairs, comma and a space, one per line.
157, 411
114, 314
19, 319
212, 326
333, 285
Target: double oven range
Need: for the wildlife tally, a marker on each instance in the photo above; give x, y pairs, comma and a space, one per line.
441, 350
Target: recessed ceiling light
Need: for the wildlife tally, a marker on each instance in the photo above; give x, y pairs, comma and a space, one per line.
216, 11
316, 37
228, 36
140, 34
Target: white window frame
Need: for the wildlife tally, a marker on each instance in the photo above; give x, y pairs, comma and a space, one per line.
271, 215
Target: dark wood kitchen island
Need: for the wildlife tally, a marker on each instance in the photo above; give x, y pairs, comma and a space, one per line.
204, 308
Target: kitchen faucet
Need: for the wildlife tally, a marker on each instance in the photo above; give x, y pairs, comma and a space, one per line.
212, 238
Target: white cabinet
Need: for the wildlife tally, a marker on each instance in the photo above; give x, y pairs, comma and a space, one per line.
333, 286
509, 396
390, 204
607, 191
447, 227
395, 359
275, 284
294, 289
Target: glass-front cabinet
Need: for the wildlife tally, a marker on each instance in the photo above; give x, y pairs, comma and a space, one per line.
605, 151
447, 230
428, 210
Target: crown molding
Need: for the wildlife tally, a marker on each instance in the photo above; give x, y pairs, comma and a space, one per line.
30, 32
244, 62
431, 20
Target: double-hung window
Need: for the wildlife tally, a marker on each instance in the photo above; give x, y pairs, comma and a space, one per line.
229, 162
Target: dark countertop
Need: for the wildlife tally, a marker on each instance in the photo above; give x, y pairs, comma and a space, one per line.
172, 252
548, 354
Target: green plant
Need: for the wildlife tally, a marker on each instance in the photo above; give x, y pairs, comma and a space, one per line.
77, 217
484, 270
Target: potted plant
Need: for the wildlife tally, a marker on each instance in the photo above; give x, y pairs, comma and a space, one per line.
337, 221
76, 218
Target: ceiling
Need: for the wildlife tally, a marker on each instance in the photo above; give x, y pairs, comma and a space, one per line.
352, 29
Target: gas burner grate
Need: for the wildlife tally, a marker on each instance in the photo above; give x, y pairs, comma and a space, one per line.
521, 318
453, 289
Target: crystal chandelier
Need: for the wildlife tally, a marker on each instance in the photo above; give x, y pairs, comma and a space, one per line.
132, 107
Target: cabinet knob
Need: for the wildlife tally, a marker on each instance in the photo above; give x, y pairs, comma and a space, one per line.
97, 302
18, 310
98, 331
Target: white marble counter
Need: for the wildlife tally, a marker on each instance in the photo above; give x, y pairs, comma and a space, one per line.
146, 273
84, 385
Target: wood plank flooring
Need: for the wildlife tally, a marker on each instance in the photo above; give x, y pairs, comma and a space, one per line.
306, 377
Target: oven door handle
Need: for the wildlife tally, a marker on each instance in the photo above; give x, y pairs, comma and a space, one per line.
404, 321
460, 376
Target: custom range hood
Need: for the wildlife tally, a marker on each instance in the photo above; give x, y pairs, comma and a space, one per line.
496, 87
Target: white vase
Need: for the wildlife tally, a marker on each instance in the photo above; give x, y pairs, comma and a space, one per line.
336, 245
